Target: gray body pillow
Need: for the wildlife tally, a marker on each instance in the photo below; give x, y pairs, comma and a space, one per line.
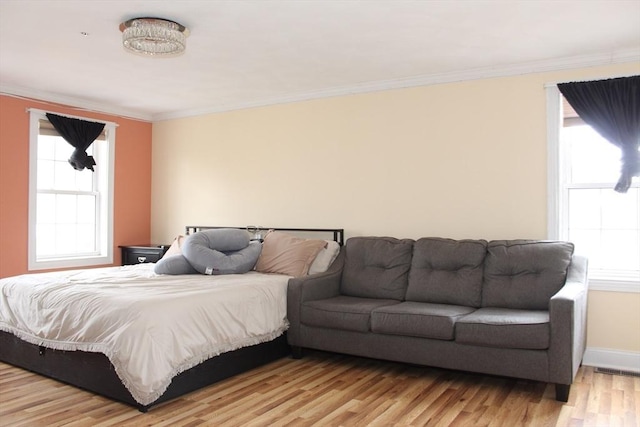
217, 251
174, 264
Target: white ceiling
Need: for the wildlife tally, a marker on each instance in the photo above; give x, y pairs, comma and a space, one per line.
250, 53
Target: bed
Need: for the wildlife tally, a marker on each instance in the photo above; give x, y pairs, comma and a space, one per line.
218, 326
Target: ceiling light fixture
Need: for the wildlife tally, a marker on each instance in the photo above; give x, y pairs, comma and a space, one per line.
154, 36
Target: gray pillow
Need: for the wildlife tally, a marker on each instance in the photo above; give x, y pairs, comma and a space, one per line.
447, 271
221, 251
376, 267
174, 264
524, 274
220, 239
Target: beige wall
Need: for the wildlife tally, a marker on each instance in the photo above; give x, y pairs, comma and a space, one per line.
423, 161
614, 321
459, 160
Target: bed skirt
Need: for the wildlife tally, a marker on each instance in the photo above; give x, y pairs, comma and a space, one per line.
94, 372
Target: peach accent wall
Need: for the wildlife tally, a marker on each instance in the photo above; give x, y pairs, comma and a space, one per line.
132, 202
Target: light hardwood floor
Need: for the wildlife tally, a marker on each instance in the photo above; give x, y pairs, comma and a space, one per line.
325, 389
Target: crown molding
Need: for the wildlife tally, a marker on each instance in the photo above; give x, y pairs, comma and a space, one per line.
532, 67
72, 102
559, 64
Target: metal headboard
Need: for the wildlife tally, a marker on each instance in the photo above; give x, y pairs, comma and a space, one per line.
338, 233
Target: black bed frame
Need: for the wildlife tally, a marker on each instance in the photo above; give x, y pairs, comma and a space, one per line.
337, 233
94, 372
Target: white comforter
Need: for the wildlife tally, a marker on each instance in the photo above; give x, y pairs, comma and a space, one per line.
151, 327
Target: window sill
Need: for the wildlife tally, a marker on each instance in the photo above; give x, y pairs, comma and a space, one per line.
612, 285
95, 261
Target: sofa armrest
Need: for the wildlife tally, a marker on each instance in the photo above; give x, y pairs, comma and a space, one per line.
568, 322
310, 288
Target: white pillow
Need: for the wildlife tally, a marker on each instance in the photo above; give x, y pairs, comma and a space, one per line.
175, 248
325, 257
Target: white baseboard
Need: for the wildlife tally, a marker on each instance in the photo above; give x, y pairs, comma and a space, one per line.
612, 359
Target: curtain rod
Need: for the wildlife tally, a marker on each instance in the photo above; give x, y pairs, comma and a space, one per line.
36, 110
590, 79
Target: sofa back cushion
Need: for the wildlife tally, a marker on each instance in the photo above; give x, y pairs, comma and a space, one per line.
447, 271
524, 274
376, 267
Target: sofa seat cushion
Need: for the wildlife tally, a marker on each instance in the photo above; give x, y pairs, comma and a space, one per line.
504, 328
342, 312
447, 271
524, 274
376, 267
418, 319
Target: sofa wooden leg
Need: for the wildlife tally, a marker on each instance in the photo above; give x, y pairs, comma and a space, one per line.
562, 392
296, 352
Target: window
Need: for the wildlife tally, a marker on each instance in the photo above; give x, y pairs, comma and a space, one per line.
70, 211
584, 208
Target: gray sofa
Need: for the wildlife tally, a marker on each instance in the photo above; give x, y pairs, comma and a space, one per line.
511, 308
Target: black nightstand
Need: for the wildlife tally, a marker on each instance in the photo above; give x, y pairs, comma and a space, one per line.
133, 254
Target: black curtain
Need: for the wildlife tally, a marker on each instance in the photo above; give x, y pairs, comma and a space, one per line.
80, 134
612, 108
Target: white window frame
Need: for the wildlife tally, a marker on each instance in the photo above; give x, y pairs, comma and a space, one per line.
105, 209
556, 217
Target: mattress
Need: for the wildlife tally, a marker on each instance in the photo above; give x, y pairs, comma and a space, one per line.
151, 327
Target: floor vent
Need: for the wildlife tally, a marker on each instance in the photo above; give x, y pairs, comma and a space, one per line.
616, 372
